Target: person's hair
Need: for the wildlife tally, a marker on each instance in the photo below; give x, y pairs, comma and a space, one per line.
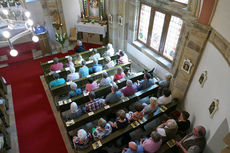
94, 51
156, 137
79, 42
55, 60
185, 115
109, 46
73, 85
105, 75
201, 131
90, 80
166, 92
121, 114
172, 123
95, 61
139, 107
92, 95
168, 77
83, 62
102, 123
129, 83
126, 70
107, 59
78, 56
56, 76
72, 69
70, 58
115, 87
153, 101
119, 70
122, 53
148, 76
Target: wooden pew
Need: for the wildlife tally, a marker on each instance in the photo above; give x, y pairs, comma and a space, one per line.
102, 91
129, 128
2, 94
7, 144
6, 118
85, 55
115, 106
63, 89
64, 72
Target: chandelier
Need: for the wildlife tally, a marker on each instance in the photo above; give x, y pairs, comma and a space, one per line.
15, 23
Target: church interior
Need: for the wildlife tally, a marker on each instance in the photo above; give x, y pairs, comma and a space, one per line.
114, 76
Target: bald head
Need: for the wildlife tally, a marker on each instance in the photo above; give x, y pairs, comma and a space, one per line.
199, 131
133, 146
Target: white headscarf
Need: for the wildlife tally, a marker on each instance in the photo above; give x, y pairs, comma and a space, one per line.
73, 107
82, 134
72, 69
73, 85
110, 50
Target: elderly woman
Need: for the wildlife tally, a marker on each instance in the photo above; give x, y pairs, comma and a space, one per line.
91, 85
151, 144
95, 55
134, 116
106, 80
119, 75
151, 107
110, 50
81, 141
74, 111
74, 90
57, 80
123, 58
102, 130
96, 67
79, 59
73, 75
57, 65
168, 129
70, 62
130, 89
109, 63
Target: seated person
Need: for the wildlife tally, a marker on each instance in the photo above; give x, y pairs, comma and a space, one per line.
81, 141
114, 96
183, 122
57, 81
81, 47
74, 111
84, 70
152, 144
139, 114
95, 55
194, 142
91, 85
119, 75
106, 80
110, 50
78, 59
133, 148
123, 58
102, 130
73, 75
168, 129
166, 98
57, 65
127, 72
130, 89
70, 62
74, 90
93, 104
109, 63
96, 67
163, 84
146, 83
121, 122
152, 107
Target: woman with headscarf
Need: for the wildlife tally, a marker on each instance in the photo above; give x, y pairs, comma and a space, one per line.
74, 90
73, 75
81, 141
110, 50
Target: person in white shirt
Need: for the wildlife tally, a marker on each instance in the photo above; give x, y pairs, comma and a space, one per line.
72, 76
166, 98
95, 55
110, 50
168, 129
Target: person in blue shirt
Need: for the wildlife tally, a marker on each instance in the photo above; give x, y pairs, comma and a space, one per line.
80, 47
96, 67
57, 80
74, 90
133, 148
146, 83
84, 70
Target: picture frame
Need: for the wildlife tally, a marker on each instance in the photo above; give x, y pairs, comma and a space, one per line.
214, 106
93, 9
203, 78
186, 66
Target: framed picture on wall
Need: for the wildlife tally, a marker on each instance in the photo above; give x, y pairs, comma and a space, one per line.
213, 107
186, 66
203, 78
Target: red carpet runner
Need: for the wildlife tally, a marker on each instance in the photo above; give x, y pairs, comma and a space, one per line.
36, 126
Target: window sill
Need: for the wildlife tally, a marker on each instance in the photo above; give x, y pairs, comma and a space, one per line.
155, 57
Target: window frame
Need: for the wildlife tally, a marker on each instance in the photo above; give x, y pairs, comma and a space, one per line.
164, 30
179, 3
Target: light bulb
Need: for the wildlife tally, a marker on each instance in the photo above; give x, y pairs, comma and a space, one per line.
30, 22
13, 52
35, 39
5, 11
6, 34
27, 14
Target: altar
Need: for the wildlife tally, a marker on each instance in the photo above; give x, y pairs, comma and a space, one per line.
91, 32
